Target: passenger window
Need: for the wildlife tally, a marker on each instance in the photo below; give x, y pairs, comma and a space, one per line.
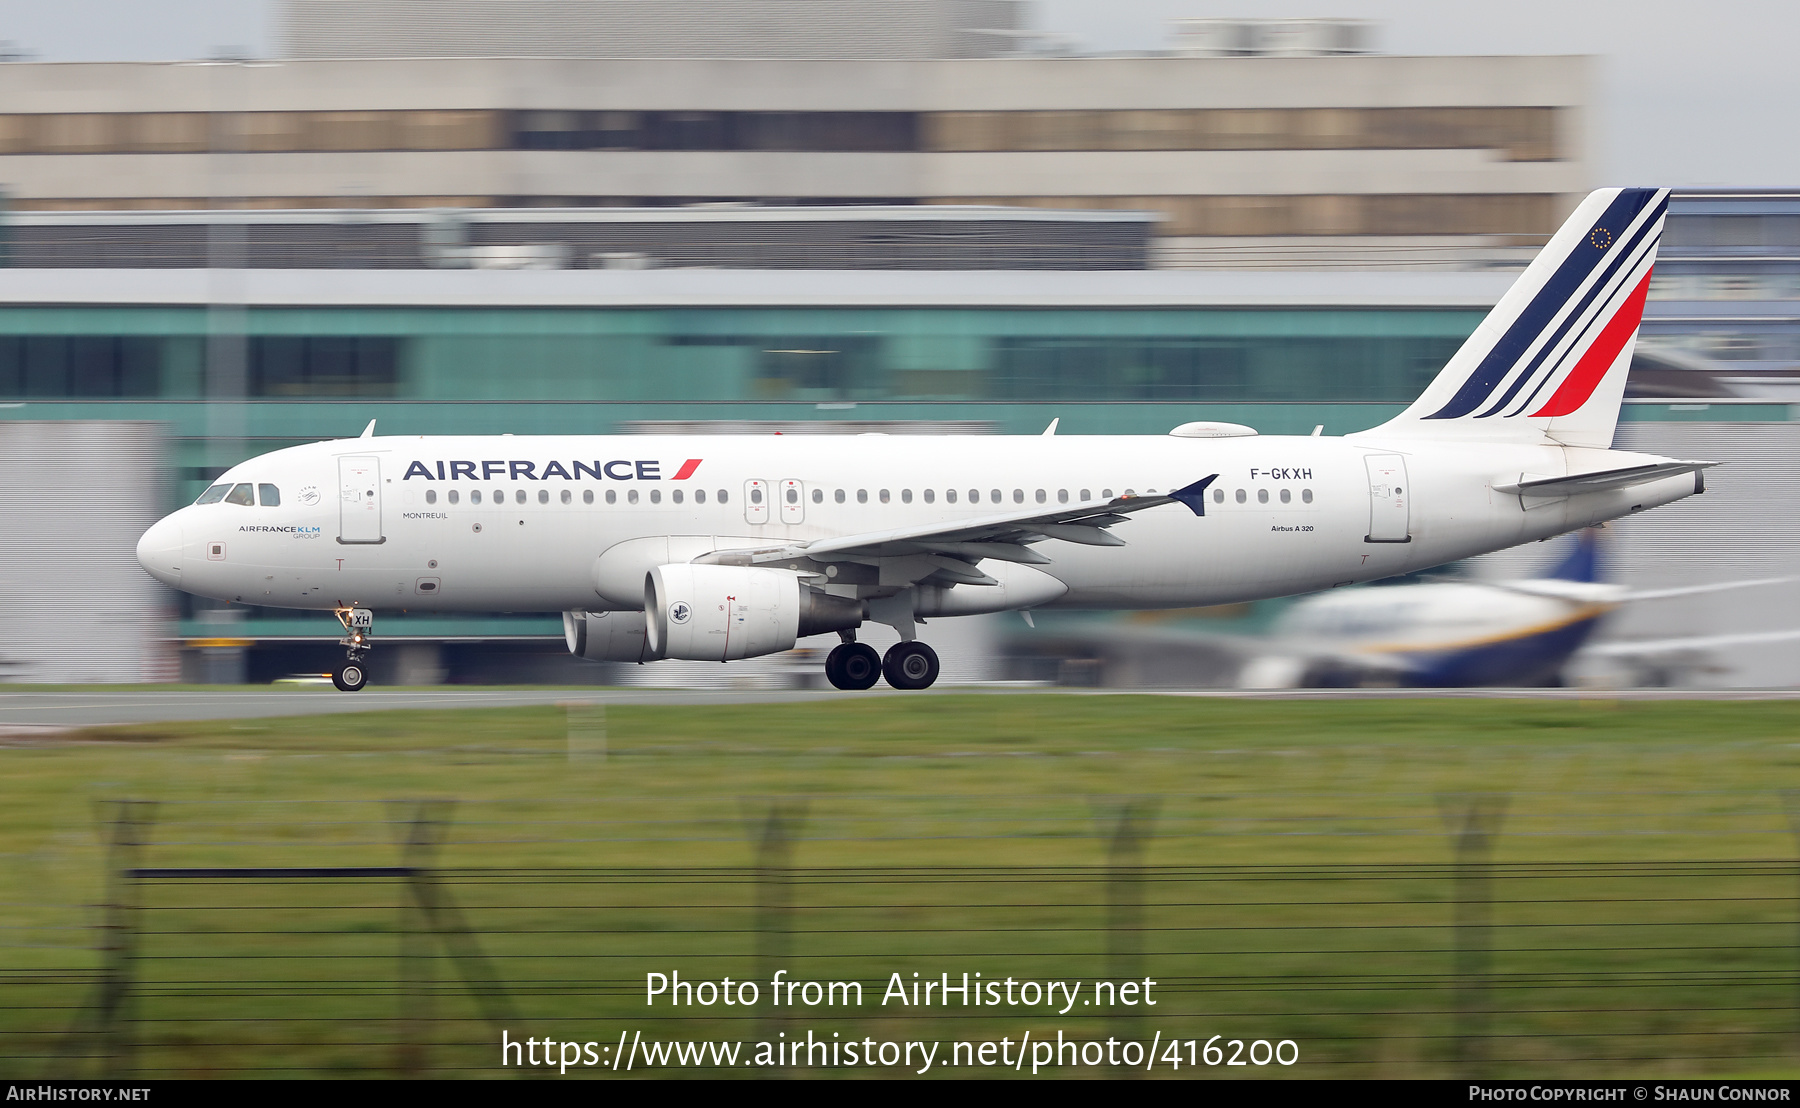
724, 497
906, 496
793, 496
499, 496
474, 496
454, 496
612, 496
818, 496
1242, 496
1106, 494
567, 496
994, 495
884, 496
241, 494
1287, 496
631, 497
587, 496
214, 494
1262, 496
756, 496
675, 496
930, 496
974, 496
862, 496
1218, 496
1062, 496
950, 496
656, 496
543, 495
269, 495
1085, 495
1040, 496
1306, 496
699, 496
518, 496
838, 496
431, 496
1018, 496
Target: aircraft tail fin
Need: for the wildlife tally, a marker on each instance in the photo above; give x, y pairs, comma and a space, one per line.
1548, 364
1583, 562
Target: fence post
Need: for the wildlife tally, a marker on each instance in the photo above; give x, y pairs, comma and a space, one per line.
774, 834
426, 827
1790, 803
1473, 821
1126, 828
127, 828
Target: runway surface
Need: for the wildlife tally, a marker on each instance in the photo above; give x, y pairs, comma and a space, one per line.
28, 711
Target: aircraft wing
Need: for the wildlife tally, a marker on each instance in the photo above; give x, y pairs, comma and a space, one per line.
1651, 647
1602, 480
1695, 590
1601, 592
954, 547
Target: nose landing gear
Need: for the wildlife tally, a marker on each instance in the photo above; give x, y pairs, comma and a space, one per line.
358, 623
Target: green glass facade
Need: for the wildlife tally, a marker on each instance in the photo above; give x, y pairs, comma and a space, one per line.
736, 355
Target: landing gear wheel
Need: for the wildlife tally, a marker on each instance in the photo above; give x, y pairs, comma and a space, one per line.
853, 665
910, 665
349, 677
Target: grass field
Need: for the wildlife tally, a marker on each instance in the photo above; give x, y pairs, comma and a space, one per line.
1290, 874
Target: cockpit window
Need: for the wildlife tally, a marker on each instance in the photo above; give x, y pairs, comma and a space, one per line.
241, 494
269, 495
214, 494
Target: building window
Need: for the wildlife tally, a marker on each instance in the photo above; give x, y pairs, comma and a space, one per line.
285, 365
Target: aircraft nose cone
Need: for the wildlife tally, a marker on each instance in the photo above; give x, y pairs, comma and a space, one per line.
159, 552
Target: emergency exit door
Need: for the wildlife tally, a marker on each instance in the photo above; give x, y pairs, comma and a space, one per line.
1389, 516
359, 500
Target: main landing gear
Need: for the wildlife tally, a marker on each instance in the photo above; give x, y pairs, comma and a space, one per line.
358, 624
908, 665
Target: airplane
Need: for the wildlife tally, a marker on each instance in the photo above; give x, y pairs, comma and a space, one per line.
725, 547
1457, 633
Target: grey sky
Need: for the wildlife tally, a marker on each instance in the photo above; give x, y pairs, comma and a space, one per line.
1687, 94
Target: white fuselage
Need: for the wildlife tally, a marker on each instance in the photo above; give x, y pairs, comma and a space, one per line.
504, 523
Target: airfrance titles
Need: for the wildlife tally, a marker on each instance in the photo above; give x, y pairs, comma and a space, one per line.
513, 469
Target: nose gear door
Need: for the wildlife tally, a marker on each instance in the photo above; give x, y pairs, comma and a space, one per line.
359, 501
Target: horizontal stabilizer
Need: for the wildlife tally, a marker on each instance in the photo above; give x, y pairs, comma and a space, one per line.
1603, 480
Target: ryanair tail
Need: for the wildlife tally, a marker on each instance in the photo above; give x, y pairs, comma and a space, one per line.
1548, 364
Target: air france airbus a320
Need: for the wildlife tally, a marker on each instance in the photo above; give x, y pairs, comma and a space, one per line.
720, 548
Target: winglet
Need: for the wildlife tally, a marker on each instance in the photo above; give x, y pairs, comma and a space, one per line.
1194, 495
1051, 430
369, 431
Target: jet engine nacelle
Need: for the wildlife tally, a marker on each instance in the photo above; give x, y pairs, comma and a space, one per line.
607, 636
714, 613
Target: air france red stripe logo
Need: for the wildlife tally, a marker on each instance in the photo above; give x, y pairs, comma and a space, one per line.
1588, 372
687, 469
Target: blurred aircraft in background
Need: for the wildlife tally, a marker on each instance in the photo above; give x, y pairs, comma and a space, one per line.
1460, 633
1432, 633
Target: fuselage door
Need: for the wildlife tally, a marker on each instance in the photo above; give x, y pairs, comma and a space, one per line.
793, 502
756, 502
1389, 515
359, 500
